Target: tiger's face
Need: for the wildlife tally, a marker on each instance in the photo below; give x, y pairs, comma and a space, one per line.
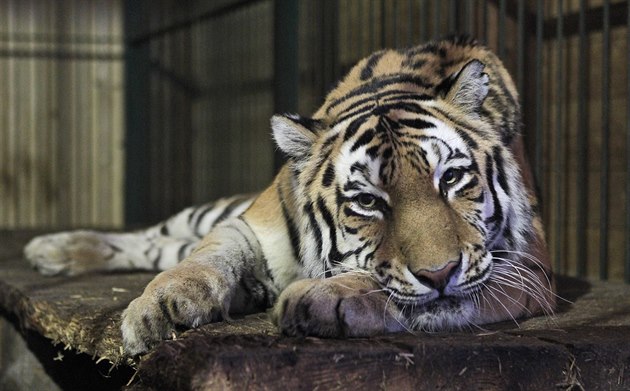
412, 190
413, 208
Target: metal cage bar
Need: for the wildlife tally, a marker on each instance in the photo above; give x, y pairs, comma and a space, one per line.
604, 168
582, 145
539, 90
559, 144
627, 225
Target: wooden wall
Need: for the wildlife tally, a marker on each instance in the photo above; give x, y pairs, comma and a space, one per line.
61, 124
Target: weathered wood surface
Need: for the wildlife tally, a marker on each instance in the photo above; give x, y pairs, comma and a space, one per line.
587, 343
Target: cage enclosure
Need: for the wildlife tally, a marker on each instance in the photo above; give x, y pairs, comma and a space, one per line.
117, 114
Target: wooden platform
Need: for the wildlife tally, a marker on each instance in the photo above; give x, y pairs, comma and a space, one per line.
70, 324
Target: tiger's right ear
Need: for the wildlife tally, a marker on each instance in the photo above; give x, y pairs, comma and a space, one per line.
294, 135
468, 88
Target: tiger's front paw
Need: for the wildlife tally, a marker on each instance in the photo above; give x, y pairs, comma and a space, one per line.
341, 306
178, 298
68, 253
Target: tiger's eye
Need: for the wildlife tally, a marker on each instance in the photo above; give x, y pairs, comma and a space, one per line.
452, 176
367, 201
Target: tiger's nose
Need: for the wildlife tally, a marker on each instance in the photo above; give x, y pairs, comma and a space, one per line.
438, 279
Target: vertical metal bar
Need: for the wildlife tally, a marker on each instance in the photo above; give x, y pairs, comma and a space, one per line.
371, 23
603, 201
333, 18
285, 60
520, 50
501, 30
394, 20
485, 22
559, 141
383, 24
424, 19
410, 20
626, 273
349, 49
452, 17
361, 19
539, 96
582, 160
137, 103
436, 18
468, 17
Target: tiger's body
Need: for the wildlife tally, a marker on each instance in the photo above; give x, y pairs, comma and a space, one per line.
407, 190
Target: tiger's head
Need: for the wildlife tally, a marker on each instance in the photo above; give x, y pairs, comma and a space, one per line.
419, 189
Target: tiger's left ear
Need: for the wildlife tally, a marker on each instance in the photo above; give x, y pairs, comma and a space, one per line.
469, 87
294, 135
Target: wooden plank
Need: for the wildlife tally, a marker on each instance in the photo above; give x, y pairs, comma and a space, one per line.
83, 313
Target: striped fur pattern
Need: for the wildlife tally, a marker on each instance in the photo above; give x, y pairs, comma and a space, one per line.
406, 204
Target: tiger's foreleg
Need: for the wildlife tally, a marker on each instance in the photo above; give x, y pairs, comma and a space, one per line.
224, 274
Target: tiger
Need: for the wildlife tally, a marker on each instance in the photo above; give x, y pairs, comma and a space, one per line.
406, 203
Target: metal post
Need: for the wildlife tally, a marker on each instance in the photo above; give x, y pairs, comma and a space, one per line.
285, 61
603, 199
582, 145
559, 141
137, 171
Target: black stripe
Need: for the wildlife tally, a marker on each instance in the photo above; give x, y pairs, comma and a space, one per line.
497, 216
181, 251
372, 152
352, 185
293, 232
354, 126
350, 213
472, 183
350, 230
367, 104
472, 144
365, 139
384, 109
379, 83
368, 70
498, 159
164, 230
228, 211
329, 175
268, 271
334, 256
358, 167
416, 123
478, 199
329, 141
309, 123
317, 233
460, 124
200, 216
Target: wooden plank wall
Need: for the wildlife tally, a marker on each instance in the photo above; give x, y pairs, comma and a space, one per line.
61, 125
